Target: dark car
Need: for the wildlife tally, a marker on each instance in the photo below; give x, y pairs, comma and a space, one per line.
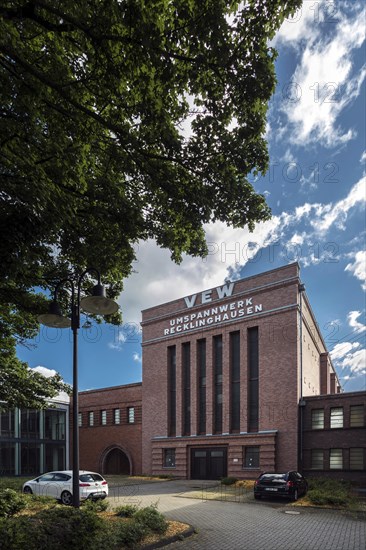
289, 485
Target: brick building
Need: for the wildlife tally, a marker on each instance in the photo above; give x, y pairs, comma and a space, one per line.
223, 374
110, 430
334, 438
235, 380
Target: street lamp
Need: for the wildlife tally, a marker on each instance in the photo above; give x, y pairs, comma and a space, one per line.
99, 304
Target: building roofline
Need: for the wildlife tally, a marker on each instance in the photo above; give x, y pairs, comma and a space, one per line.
109, 388
342, 395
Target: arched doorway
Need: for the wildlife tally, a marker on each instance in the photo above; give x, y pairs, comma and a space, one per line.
116, 462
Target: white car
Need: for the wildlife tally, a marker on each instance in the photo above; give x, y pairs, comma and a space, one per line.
59, 485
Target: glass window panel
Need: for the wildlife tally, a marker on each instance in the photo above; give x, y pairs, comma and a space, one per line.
336, 459
356, 459
117, 416
80, 420
336, 417
251, 457
357, 416
91, 418
317, 419
317, 459
103, 417
169, 458
131, 414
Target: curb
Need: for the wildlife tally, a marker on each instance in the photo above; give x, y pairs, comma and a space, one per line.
174, 538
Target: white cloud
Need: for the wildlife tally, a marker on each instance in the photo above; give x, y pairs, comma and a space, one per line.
354, 323
324, 82
363, 157
119, 339
355, 361
298, 28
341, 350
358, 267
137, 357
62, 397
44, 371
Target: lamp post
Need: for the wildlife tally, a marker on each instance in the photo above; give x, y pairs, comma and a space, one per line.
96, 303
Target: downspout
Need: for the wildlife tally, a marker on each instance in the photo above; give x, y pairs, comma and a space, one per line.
301, 401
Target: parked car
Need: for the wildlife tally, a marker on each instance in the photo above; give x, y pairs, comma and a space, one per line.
289, 485
59, 486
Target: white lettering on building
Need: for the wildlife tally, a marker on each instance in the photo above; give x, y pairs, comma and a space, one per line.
206, 296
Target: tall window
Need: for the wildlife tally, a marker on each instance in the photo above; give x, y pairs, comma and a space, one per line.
317, 459
253, 379
172, 390
91, 418
103, 418
186, 366
131, 415
336, 417
235, 381
357, 416
356, 459
336, 459
217, 357
80, 419
317, 419
29, 424
201, 370
117, 416
251, 457
7, 424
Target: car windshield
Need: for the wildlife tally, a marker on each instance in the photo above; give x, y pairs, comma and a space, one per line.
88, 478
273, 477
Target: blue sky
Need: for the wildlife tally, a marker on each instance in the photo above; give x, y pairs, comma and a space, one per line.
316, 189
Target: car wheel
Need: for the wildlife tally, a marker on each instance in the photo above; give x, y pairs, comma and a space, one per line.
66, 498
257, 497
27, 490
295, 496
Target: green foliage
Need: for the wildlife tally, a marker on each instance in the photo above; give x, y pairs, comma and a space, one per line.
229, 480
151, 519
97, 505
11, 502
324, 491
16, 534
66, 527
94, 98
126, 511
129, 533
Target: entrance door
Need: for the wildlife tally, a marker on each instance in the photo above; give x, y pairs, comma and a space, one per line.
117, 462
209, 463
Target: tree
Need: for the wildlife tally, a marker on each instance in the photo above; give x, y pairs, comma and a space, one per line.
124, 120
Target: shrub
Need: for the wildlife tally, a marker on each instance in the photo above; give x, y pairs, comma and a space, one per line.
152, 519
229, 480
126, 511
98, 505
16, 534
323, 491
64, 527
129, 533
11, 502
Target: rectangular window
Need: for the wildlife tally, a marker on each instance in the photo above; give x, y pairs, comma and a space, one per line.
217, 369
253, 379
91, 418
103, 418
357, 416
186, 372
169, 458
317, 459
80, 420
117, 416
356, 459
336, 459
336, 417
7, 424
131, 415
201, 370
29, 424
317, 419
234, 381
172, 391
251, 457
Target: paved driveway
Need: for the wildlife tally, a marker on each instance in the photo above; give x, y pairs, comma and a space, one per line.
246, 525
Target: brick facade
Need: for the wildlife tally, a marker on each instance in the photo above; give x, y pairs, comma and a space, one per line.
110, 446
272, 303
352, 435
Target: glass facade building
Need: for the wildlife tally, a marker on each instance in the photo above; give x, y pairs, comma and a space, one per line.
34, 441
